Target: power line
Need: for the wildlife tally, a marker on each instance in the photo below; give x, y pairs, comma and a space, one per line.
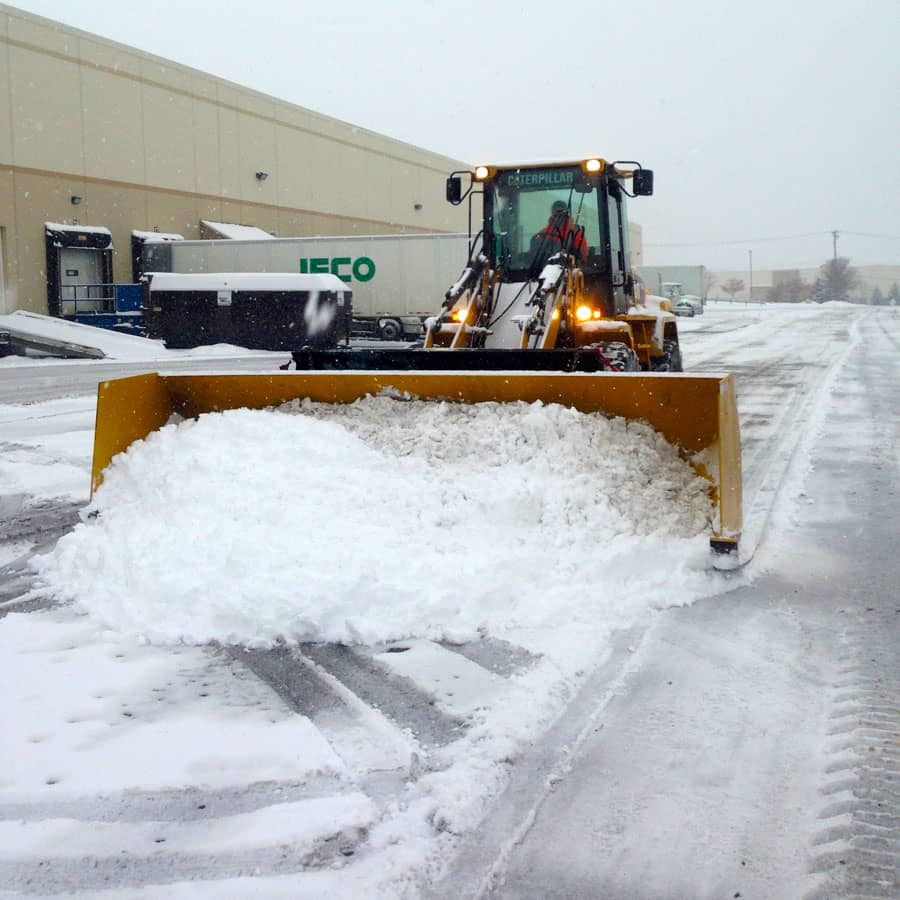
883, 237
784, 237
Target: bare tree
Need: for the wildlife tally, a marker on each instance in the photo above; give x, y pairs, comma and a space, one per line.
709, 279
733, 286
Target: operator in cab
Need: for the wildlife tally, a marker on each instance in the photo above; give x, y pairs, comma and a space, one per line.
558, 228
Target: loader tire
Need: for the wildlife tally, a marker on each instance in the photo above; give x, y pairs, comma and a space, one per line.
620, 357
670, 361
673, 352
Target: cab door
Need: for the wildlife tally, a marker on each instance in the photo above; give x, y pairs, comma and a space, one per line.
620, 264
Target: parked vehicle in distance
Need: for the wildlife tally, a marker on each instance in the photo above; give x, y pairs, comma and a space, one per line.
684, 308
694, 301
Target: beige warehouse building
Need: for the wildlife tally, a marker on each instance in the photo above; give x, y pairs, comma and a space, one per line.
107, 143
103, 147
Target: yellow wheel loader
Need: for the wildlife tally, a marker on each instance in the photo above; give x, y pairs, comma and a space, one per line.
546, 309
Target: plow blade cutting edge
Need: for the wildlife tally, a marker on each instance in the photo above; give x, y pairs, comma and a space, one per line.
696, 413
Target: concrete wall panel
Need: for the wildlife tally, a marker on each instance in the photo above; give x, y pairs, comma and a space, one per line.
111, 57
46, 111
324, 173
257, 153
168, 124
6, 141
113, 130
229, 153
167, 75
172, 212
43, 33
120, 209
295, 174
206, 147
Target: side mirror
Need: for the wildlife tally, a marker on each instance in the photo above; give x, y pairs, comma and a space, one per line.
642, 182
454, 189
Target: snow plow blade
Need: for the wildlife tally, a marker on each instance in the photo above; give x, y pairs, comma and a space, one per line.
697, 413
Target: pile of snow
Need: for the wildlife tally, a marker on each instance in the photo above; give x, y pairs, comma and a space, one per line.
114, 345
383, 520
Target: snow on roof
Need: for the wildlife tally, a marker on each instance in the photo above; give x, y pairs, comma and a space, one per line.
152, 237
87, 229
237, 232
244, 281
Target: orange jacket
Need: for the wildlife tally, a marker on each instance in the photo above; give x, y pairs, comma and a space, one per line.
559, 234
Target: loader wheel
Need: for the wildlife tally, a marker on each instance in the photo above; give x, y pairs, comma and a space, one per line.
670, 361
390, 330
673, 353
619, 357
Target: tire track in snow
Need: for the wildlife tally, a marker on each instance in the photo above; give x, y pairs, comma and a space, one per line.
857, 849
777, 401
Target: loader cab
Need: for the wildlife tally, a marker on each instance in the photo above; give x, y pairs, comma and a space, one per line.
520, 233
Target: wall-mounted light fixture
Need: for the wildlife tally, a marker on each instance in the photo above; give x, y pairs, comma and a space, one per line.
417, 206
75, 200
262, 176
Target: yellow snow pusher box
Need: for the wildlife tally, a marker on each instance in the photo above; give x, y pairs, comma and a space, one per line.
696, 413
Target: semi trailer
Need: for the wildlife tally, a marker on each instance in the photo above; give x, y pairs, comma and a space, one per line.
395, 280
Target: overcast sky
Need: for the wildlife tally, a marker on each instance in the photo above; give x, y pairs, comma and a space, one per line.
761, 119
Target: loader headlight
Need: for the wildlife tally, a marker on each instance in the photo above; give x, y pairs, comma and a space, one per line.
459, 314
594, 166
481, 173
583, 313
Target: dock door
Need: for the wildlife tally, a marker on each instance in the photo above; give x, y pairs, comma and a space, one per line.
79, 269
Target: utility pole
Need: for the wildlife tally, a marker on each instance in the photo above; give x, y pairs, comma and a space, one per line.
750, 295
834, 237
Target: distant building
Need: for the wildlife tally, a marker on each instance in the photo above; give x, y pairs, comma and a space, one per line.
691, 278
764, 280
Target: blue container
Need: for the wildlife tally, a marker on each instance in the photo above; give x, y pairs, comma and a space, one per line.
128, 298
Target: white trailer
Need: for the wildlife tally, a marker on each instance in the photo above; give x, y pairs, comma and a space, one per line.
396, 280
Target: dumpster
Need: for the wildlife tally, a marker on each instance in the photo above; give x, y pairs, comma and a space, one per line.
258, 310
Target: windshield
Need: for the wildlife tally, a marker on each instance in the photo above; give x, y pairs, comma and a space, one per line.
534, 211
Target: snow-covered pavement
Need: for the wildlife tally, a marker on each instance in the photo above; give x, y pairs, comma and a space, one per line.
536, 696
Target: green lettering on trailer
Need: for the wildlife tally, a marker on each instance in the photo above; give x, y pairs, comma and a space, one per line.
336, 265
362, 268
358, 273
